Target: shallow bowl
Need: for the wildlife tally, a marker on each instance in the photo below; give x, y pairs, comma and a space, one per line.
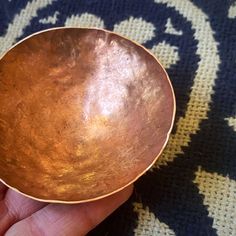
83, 113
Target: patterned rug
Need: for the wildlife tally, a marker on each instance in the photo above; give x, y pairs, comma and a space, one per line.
191, 190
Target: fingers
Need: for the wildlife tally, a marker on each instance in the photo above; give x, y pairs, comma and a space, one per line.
16, 207
3, 189
73, 220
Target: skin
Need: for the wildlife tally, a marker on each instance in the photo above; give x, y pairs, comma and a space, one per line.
20, 215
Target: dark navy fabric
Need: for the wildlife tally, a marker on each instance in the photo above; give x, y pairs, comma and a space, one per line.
170, 192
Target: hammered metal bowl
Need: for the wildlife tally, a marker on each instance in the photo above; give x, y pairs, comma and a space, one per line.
83, 113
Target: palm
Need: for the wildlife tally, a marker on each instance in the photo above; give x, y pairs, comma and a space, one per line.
20, 215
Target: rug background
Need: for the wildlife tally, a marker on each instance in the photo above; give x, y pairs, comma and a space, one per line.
191, 190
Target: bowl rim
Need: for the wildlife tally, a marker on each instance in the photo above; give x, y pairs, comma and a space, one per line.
157, 156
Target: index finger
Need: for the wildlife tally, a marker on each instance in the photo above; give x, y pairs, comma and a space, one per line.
79, 219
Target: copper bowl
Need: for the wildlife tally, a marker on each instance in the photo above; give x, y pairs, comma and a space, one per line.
83, 113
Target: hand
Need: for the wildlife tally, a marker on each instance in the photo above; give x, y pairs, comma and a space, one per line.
21, 215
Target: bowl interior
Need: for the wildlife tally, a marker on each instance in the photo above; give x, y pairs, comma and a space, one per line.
83, 113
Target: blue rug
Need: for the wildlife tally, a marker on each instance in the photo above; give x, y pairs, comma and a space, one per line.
191, 190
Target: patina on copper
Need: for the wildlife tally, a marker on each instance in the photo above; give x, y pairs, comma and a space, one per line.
83, 113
